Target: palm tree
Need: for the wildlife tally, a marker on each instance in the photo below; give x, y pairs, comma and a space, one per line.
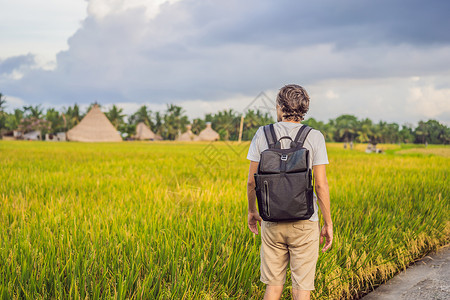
198, 125
142, 115
3, 114
346, 127
56, 120
406, 134
319, 125
226, 123
252, 121
34, 111
365, 131
2, 102
175, 122
115, 116
71, 116
159, 126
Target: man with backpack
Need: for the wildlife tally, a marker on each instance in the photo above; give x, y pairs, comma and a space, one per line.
282, 157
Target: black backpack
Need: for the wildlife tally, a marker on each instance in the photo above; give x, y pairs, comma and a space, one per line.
284, 187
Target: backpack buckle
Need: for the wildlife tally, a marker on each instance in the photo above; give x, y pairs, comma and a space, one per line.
284, 157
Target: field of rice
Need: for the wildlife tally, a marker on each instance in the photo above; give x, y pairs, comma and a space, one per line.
168, 220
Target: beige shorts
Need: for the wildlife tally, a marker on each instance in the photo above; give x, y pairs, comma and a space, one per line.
295, 242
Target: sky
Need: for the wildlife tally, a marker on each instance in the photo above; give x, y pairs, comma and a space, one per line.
383, 60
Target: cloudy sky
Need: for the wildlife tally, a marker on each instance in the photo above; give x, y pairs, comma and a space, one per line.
387, 59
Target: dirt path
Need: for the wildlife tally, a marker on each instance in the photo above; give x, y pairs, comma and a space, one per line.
428, 278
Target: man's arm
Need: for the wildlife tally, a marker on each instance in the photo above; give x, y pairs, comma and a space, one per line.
323, 195
253, 215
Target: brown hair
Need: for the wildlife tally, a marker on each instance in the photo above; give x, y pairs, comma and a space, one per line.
294, 102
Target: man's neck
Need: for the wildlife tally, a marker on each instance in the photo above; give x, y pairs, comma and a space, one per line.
284, 120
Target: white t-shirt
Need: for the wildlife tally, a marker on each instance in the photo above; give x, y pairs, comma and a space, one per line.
315, 143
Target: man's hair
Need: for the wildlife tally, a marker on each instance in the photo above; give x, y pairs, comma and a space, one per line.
294, 102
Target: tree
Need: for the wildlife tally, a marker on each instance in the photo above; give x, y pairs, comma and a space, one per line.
32, 123
115, 116
346, 128
365, 131
13, 120
436, 132
33, 111
56, 120
252, 121
422, 132
142, 115
71, 116
406, 134
3, 114
198, 125
319, 125
226, 123
175, 122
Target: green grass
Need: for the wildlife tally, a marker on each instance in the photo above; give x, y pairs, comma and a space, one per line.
147, 220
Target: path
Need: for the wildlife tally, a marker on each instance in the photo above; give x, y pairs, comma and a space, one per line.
428, 278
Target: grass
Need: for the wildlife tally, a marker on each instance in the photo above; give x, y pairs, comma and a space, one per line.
168, 220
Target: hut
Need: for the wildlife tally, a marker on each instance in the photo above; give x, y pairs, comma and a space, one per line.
208, 134
95, 127
34, 135
10, 135
188, 135
58, 137
143, 132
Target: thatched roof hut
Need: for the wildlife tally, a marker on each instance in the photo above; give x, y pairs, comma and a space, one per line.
143, 132
208, 134
95, 127
188, 135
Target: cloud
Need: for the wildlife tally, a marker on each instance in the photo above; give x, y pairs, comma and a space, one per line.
430, 102
204, 52
38, 27
16, 63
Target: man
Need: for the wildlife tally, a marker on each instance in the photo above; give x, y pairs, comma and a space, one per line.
295, 242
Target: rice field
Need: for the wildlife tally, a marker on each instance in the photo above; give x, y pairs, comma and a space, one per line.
167, 220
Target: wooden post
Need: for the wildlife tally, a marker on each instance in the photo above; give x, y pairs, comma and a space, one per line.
240, 128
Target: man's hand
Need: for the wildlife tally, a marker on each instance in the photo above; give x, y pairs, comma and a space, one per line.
253, 219
327, 233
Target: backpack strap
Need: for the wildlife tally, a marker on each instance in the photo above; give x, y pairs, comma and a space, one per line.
301, 135
271, 137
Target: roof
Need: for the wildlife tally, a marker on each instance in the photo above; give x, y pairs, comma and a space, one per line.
208, 134
95, 127
188, 135
143, 132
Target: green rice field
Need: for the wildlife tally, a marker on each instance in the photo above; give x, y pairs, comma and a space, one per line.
167, 220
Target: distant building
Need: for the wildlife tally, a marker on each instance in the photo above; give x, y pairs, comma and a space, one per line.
143, 132
208, 134
188, 136
32, 136
95, 127
58, 137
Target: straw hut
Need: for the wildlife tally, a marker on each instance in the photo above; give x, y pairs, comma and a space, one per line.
143, 132
188, 135
208, 134
95, 127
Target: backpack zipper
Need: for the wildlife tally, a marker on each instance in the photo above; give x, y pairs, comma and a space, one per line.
266, 198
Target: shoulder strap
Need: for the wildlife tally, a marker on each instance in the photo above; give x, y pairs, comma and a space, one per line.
271, 137
302, 134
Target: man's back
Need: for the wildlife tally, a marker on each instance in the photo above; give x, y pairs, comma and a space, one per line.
315, 143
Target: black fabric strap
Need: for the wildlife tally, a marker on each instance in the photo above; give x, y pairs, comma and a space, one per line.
302, 134
271, 137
